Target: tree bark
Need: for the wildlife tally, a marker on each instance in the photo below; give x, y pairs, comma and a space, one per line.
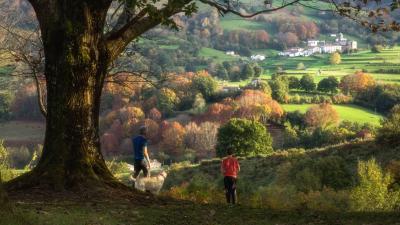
76, 64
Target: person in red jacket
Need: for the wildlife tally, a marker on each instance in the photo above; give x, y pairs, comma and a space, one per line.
230, 168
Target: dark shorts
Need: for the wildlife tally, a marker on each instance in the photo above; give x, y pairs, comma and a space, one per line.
230, 183
141, 165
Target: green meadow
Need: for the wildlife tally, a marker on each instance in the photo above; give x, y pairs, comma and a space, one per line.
384, 66
351, 113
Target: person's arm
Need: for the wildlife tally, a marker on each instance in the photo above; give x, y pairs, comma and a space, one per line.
238, 165
146, 155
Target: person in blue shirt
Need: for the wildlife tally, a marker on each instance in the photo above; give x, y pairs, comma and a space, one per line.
141, 154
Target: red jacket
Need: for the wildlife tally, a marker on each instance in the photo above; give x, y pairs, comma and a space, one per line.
230, 166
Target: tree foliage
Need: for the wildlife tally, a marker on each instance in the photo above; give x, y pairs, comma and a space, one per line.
356, 83
329, 84
389, 133
205, 84
322, 115
307, 83
246, 137
335, 58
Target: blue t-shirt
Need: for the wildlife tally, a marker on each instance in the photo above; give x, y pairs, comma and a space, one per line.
139, 143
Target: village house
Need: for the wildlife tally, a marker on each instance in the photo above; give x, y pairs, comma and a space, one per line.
258, 57
340, 44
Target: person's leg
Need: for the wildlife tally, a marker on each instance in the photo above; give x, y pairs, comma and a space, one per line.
144, 168
233, 190
233, 193
137, 167
227, 193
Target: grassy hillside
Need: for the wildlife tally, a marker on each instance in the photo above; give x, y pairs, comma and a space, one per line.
351, 113
285, 180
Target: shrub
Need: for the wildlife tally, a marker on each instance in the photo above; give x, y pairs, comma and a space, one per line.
377, 48
276, 197
19, 157
245, 137
300, 66
3, 155
372, 193
199, 189
389, 133
117, 167
36, 154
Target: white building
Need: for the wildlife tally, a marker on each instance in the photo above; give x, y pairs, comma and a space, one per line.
258, 57
230, 53
331, 48
351, 45
312, 43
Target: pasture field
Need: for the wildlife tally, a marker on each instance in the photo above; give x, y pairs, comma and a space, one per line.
22, 131
351, 113
384, 66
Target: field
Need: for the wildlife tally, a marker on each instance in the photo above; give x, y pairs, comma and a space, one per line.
22, 132
376, 64
351, 113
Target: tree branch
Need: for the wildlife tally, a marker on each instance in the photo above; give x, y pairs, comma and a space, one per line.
118, 39
227, 9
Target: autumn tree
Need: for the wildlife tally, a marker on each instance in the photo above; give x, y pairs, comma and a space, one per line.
202, 138
80, 43
257, 105
199, 103
355, 83
173, 139
335, 58
167, 100
154, 114
322, 115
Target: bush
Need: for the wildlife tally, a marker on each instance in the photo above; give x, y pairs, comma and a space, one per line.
199, 189
246, 137
19, 157
377, 48
3, 155
389, 133
372, 194
117, 167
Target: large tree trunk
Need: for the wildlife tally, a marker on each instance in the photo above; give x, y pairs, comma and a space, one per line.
76, 64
